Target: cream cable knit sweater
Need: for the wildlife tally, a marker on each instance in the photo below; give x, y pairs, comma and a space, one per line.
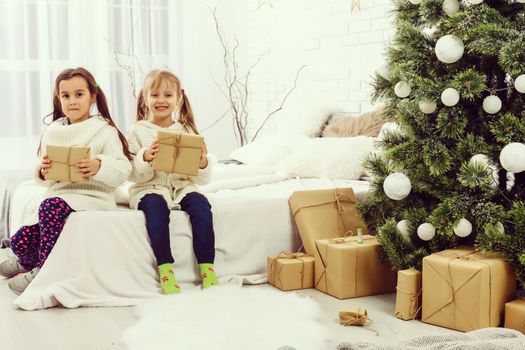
98, 193
173, 187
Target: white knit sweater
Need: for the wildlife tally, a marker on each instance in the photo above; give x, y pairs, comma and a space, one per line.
173, 187
98, 193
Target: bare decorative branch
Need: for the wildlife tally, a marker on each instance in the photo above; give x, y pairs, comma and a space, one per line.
282, 103
237, 87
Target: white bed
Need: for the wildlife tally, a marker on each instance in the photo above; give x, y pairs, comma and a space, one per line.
104, 258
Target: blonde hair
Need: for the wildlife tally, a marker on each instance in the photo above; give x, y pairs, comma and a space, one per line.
154, 80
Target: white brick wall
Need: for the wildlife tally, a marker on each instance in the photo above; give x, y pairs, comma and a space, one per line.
342, 50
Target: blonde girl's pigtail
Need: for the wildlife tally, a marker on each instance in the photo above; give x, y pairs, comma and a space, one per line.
141, 106
186, 113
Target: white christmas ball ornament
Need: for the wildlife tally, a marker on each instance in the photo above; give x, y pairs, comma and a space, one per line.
463, 228
521, 1
415, 2
427, 107
480, 159
499, 225
449, 49
450, 97
402, 227
397, 186
402, 89
450, 7
492, 104
474, 2
519, 83
512, 157
426, 231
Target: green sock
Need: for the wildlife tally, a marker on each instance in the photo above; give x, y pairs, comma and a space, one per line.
209, 278
168, 283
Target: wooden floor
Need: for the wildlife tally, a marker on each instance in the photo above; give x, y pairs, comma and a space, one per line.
101, 328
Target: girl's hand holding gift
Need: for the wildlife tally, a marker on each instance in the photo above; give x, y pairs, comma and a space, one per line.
45, 164
88, 167
204, 161
151, 152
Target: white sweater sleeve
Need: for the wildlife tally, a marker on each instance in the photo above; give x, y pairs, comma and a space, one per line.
142, 171
203, 177
39, 180
114, 166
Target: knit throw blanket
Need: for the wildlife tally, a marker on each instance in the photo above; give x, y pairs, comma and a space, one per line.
481, 339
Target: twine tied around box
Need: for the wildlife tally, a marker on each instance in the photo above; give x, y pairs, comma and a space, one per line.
356, 317
176, 143
461, 256
67, 162
286, 254
339, 198
414, 298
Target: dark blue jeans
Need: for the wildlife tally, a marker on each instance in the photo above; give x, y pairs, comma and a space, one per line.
157, 216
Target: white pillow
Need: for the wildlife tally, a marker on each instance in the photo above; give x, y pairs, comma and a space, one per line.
335, 158
267, 150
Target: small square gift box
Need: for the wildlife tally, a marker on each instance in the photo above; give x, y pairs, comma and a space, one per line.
515, 315
178, 153
63, 162
349, 267
291, 271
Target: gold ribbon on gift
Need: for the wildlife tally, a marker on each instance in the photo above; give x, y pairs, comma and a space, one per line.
286, 254
453, 255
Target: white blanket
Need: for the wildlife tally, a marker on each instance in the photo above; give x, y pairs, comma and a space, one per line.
105, 259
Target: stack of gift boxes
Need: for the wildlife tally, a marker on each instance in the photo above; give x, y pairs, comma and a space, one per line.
459, 288
338, 261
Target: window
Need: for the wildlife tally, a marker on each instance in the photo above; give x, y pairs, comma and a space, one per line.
118, 41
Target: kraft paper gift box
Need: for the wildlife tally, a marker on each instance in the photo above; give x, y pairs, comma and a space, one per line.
408, 294
63, 162
464, 289
323, 214
288, 271
515, 315
345, 268
178, 153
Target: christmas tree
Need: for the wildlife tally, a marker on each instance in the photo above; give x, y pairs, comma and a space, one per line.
452, 170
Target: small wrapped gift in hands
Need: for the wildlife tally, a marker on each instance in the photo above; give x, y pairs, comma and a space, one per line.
63, 162
178, 153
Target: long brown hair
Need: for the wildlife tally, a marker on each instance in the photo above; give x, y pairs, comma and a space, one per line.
94, 90
153, 80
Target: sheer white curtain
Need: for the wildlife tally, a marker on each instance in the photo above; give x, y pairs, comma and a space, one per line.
116, 40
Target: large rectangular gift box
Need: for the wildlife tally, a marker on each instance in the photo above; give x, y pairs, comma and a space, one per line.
464, 289
345, 268
515, 315
63, 162
291, 271
178, 153
408, 294
323, 214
